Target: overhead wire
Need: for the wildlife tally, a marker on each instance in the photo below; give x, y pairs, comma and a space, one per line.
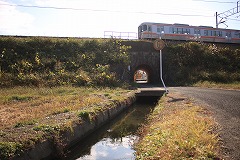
117, 11
104, 10
214, 1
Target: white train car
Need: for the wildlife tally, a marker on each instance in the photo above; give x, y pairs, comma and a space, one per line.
185, 32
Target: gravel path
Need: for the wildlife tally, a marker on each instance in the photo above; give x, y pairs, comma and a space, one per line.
225, 106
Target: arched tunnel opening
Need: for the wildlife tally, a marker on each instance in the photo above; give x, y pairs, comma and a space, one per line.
143, 74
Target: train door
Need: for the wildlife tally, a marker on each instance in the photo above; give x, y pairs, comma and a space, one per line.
139, 32
228, 36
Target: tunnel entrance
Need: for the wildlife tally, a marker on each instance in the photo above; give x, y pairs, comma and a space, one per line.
143, 74
140, 76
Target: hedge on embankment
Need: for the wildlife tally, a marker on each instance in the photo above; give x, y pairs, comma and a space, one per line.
188, 63
45, 61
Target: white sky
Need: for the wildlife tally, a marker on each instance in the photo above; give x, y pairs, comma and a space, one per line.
90, 18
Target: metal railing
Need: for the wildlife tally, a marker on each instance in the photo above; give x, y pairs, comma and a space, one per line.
120, 35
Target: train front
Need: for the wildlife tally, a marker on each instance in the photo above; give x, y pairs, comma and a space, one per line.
142, 30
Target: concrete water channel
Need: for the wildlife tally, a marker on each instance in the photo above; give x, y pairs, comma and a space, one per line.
115, 139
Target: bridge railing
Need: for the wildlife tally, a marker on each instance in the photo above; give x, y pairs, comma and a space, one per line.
120, 35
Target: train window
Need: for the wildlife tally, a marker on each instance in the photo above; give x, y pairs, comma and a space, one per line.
214, 33
174, 30
180, 30
196, 31
149, 28
186, 31
144, 27
160, 29
237, 34
217, 33
220, 33
205, 32
228, 34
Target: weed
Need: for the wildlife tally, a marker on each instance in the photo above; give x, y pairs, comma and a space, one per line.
107, 95
22, 124
64, 110
69, 125
46, 128
9, 149
19, 98
2, 134
84, 115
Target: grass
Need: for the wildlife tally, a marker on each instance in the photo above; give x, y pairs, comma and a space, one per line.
22, 104
207, 84
29, 115
177, 129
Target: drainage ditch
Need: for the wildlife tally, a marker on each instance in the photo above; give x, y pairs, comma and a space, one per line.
115, 139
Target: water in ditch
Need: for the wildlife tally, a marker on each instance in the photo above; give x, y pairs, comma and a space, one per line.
114, 141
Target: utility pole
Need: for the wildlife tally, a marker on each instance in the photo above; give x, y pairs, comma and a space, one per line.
224, 15
238, 6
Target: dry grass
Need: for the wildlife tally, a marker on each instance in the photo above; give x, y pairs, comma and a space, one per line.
178, 129
207, 84
24, 105
30, 115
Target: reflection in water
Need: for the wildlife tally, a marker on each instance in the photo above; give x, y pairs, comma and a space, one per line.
106, 148
114, 140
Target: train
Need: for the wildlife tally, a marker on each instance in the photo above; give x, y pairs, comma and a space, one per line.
185, 32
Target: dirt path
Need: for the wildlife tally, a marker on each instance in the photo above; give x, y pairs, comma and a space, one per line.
225, 106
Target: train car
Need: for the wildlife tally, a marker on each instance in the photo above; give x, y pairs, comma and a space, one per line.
185, 32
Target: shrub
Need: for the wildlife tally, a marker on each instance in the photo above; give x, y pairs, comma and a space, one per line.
103, 77
59, 61
188, 63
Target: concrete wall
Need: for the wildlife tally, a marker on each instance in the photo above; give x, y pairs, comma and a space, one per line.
147, 61
145, 57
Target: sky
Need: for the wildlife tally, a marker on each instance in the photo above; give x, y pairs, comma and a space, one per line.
92, 18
